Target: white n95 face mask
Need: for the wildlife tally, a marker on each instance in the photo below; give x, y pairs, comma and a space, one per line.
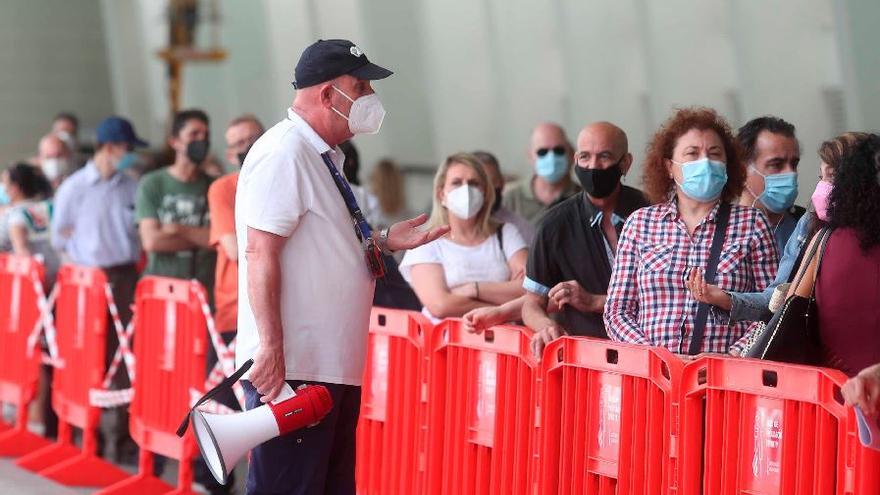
464, 201
53, 167
366, 114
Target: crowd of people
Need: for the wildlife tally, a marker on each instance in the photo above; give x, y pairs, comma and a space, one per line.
689, 261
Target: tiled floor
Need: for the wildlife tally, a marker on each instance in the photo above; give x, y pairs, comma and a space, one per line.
17, 481
14, 480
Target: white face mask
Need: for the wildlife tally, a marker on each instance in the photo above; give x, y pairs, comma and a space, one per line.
366, 114
53, 167
464, 201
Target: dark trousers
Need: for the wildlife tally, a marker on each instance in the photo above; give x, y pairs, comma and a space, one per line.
318, 460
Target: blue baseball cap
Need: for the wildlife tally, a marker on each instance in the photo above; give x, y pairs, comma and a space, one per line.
324, 60
117, 130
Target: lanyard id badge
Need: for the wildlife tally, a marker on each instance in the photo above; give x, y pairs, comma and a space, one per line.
372, 253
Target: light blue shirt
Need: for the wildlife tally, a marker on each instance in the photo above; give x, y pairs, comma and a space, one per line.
753, 306
94, 221
616, 221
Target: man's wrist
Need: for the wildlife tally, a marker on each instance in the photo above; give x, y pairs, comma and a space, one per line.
382, 241
597, 304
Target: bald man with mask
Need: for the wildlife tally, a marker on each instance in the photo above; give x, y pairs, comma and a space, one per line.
551, 156
570, 262
55, 158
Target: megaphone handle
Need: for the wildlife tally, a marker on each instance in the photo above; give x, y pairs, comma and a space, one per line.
226, 383
286, 392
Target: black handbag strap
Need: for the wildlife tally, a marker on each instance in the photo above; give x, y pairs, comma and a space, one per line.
226, 383
819, 246
722, 218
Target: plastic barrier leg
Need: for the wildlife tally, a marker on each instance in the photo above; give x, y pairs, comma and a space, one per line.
85, 468
18, 441
52, 454
143, 483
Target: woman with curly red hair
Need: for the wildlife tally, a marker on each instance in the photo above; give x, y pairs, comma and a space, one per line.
692, 174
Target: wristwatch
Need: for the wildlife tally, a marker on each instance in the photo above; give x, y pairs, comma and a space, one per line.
383, 241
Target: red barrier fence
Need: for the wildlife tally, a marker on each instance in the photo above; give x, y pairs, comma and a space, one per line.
81, 327
20, 370
607, 413
391, 435
759, 427
481, 413
169, 345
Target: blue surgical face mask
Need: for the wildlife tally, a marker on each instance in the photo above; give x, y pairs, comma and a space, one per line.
4, 196
552, 167
780, 191
127, 161
704, 179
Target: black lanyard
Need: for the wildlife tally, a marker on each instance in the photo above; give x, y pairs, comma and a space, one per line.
364, 231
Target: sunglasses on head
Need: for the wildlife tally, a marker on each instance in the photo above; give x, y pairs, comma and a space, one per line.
557, 150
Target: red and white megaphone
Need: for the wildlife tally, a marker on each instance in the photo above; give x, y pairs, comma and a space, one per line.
224, 439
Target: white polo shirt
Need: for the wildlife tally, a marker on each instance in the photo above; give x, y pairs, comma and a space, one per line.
326, 288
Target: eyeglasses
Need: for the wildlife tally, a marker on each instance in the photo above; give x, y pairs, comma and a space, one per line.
557, 150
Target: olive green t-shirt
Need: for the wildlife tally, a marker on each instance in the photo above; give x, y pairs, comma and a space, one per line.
519, 197
168, 200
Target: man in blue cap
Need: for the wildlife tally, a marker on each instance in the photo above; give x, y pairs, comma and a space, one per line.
307, 278
93, 225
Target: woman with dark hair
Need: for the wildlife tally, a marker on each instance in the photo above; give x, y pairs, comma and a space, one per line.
847, 287
692, 174
24, 227
757, 305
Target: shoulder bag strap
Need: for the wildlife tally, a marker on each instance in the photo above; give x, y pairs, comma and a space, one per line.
823, 243
721, 221
822, 237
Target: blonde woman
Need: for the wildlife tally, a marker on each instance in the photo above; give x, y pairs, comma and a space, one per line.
386, 183
480, 262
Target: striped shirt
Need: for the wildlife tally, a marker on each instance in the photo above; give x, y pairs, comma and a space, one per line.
648, 302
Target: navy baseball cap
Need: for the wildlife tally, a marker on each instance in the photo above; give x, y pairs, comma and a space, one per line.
117, 130
324, 60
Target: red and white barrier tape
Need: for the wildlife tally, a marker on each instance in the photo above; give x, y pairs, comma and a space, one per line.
225, 354
123, 352
210, 406
45, 324
110, 398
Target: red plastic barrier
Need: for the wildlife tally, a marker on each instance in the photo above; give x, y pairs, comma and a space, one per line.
19, 373
81, 327
481, 413
606, 413
169, 345
757, 427
390, 435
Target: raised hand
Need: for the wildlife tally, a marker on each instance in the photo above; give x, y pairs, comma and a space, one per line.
407, 235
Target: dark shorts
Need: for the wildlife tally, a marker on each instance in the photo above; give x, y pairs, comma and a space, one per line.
311, 461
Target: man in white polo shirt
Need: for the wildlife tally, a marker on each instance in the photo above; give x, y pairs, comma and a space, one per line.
307, 264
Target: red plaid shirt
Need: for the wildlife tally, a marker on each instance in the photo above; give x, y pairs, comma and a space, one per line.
648, 302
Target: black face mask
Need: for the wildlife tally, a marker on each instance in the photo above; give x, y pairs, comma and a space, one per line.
197, 151
599, 183
497, 204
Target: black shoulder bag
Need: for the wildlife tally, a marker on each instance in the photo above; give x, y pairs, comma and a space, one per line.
721, 221
792, 335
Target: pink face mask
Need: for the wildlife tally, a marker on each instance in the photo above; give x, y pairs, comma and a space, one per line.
820, 199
